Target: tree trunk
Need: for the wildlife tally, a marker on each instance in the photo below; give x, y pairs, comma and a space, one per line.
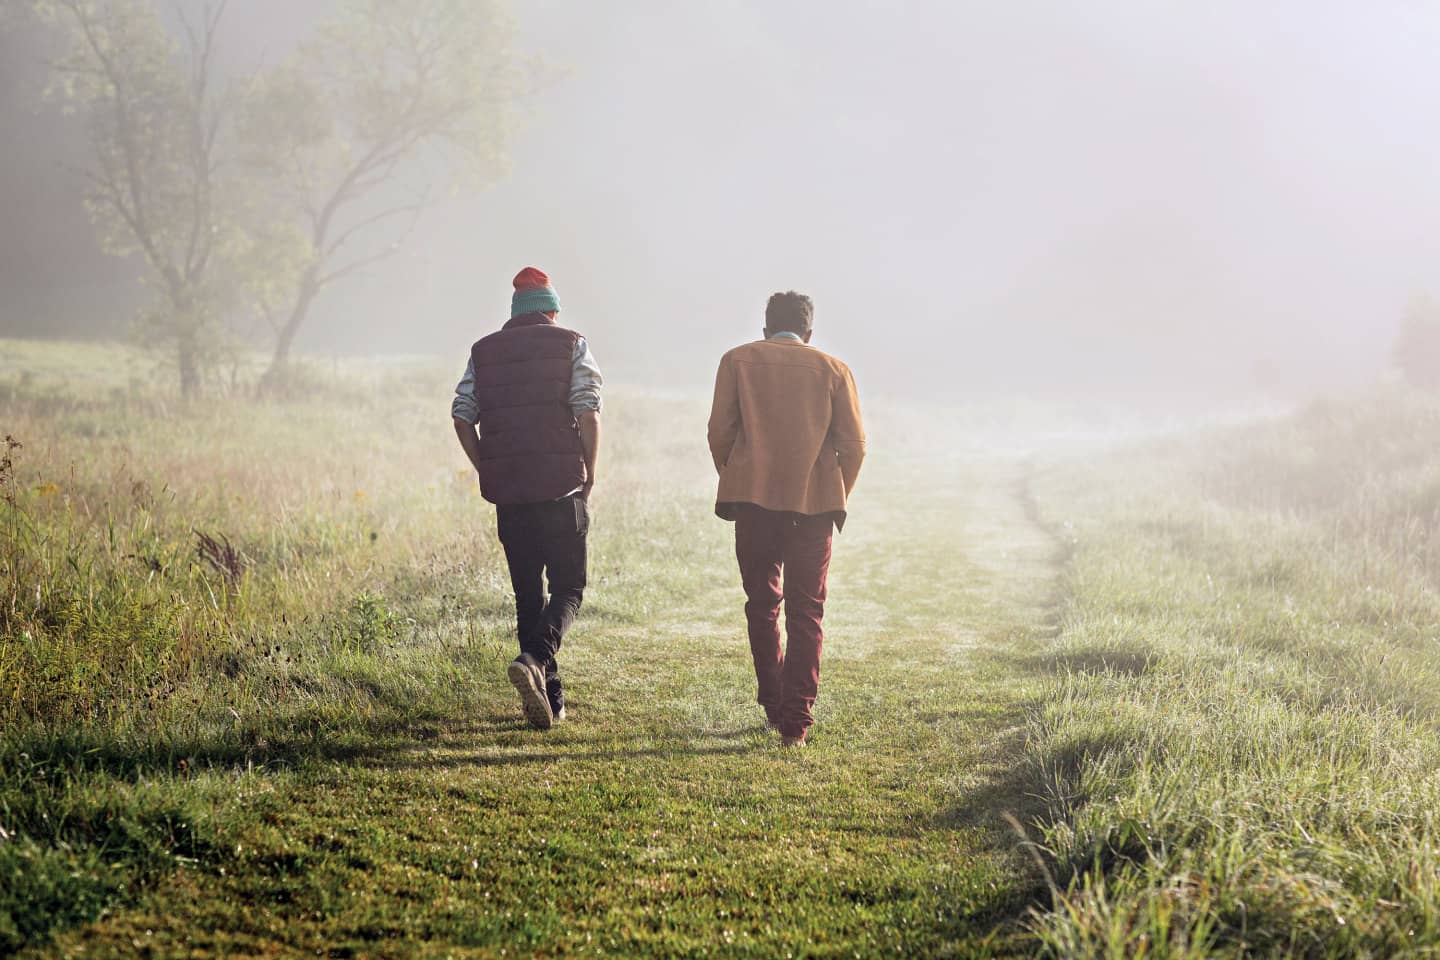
189, 367
186, 327
280, 361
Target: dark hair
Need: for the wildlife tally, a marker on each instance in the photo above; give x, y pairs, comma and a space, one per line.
789, 311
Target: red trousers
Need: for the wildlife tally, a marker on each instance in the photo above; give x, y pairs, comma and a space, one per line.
793, 550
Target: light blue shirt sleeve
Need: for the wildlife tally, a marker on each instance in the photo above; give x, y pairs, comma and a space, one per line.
464, 407
585, 380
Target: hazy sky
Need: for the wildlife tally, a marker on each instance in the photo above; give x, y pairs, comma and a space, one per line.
979, 196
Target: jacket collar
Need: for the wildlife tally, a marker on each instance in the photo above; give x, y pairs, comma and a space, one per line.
528, 320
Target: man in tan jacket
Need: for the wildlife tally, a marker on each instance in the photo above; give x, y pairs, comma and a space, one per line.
787, 440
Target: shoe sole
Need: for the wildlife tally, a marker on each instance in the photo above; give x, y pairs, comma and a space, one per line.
532, 696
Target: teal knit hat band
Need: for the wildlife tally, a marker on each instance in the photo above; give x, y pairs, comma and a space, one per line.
533, 300
533, 293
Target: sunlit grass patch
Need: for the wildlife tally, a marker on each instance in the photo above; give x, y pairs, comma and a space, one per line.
1264, 775
255, 667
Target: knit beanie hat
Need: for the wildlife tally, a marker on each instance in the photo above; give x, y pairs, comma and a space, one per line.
533, 293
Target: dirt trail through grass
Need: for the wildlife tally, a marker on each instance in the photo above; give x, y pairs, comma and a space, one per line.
662, 819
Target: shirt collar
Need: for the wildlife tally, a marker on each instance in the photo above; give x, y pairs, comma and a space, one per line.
786, 335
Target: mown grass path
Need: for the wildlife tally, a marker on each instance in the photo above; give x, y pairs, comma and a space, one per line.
662, 819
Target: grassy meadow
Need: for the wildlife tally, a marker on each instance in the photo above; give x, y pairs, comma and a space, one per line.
1241, 751
1175, 699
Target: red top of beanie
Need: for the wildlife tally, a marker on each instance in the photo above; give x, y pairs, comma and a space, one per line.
530, 278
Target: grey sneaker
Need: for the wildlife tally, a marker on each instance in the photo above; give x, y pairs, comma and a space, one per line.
528, 677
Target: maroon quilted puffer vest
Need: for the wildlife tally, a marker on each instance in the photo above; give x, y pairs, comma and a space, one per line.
529, 441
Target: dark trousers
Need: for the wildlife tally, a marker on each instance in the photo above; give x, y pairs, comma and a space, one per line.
775, 548
545, 538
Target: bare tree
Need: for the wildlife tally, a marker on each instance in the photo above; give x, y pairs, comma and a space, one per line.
384, 105
154, 117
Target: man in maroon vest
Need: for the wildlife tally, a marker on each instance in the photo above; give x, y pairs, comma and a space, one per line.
527, 413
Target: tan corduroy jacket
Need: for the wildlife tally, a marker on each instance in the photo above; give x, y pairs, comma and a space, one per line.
785, 429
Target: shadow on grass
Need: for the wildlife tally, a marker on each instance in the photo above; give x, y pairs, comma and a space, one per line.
1037, 788
80, 838
1127, 662
1009, 811
1013, 807
75, 754
505, 758
504, 737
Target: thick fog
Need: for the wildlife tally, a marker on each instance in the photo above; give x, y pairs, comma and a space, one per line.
1128, 198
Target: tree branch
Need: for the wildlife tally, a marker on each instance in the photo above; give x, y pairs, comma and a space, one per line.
326, 279
136, 217
360, 264
384, 215
204, 133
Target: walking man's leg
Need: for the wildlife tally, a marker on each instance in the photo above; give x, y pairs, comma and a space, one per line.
758, 548
565, 528
523, 540
525, 557
807, 566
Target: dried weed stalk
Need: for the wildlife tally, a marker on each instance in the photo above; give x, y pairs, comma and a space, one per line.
222, 557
